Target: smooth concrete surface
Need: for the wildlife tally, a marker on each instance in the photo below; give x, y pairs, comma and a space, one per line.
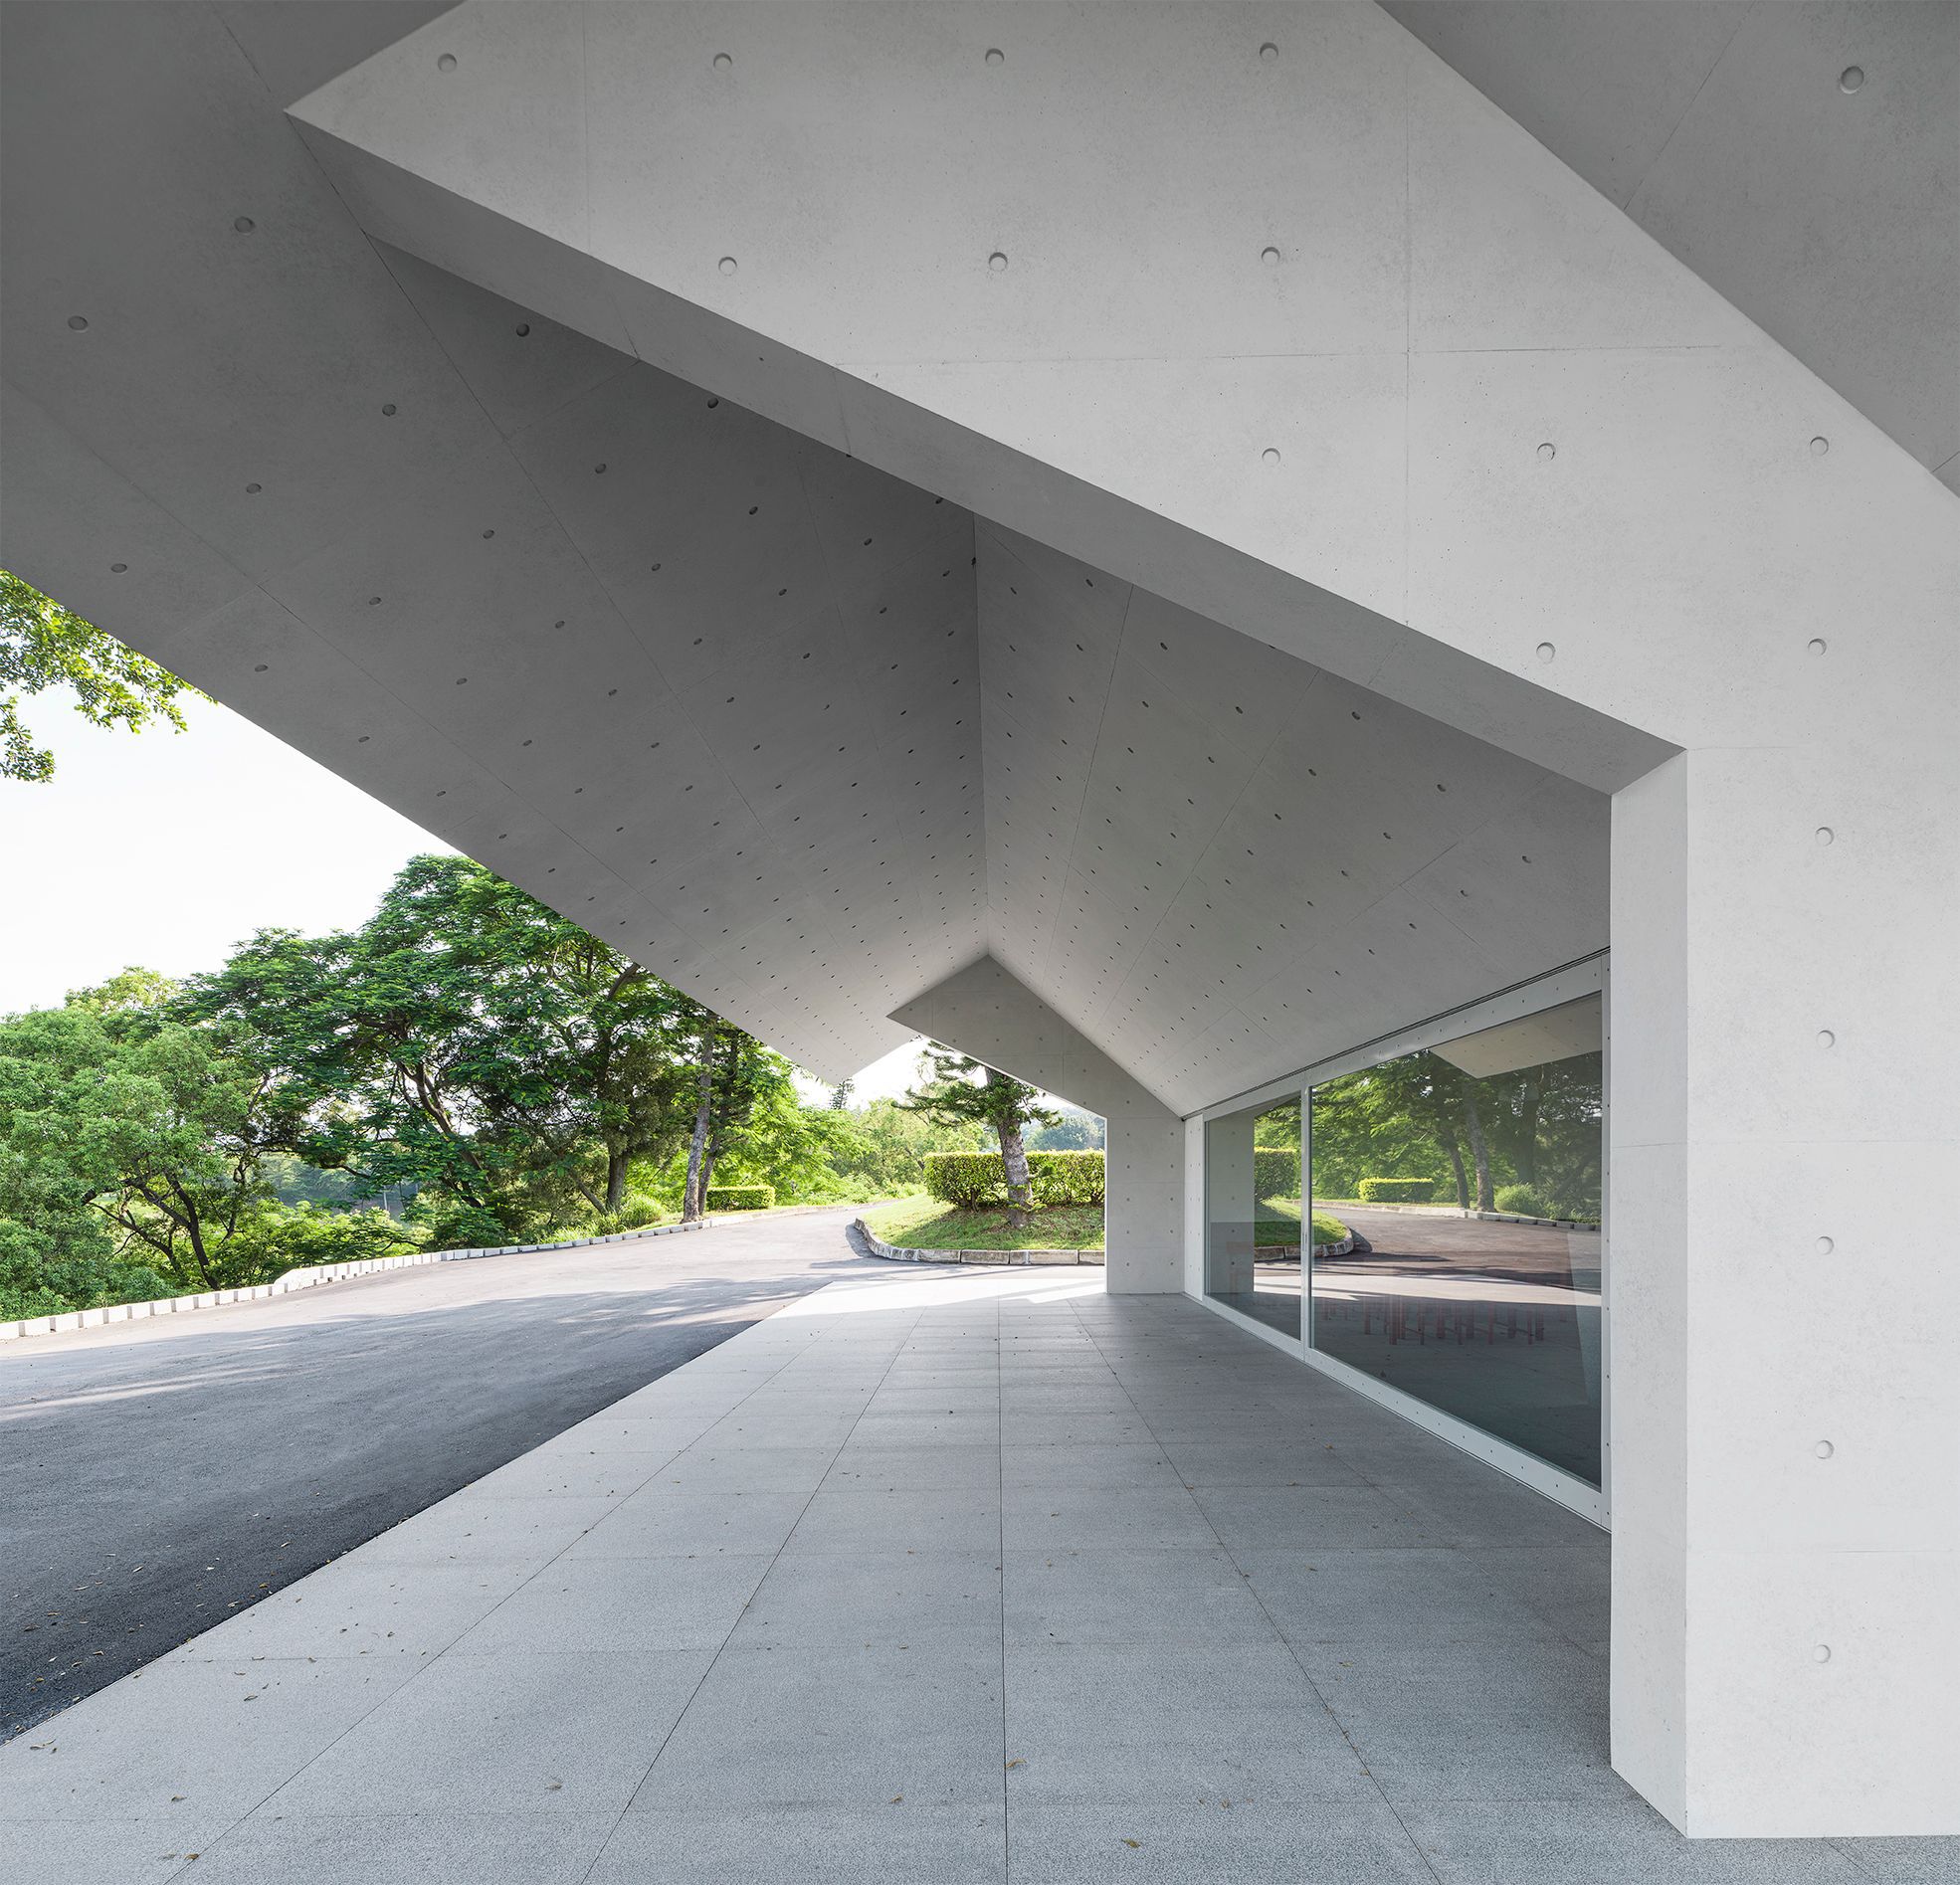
933, 1578
155, 1476
809, 739
1259, 319
1727, 132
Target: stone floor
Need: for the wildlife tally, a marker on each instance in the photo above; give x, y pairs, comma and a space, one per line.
925, 1579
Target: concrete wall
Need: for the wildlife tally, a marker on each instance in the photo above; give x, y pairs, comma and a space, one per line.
983, 1011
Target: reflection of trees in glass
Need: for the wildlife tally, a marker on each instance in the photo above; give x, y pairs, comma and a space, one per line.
1420, 1117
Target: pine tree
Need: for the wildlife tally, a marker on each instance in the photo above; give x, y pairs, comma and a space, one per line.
954, 1095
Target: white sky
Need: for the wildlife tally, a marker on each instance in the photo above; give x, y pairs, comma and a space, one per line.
164, 850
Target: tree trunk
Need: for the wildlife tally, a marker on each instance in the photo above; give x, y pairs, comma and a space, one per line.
1457, 1166
1019, 1193
1487, 1199
616, 1160
693, 1198
1527, 1157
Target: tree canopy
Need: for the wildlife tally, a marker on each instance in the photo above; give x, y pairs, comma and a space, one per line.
42, 646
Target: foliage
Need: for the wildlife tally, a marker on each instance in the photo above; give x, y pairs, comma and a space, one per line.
1072, 1132
273, 1239
1276, 1171
1066, 1178
468, 1039
442, 1223
1396, 1191
42, 645
973, 1178
923, 1223
741, 1196
151, 1127
794, 1149
1520, 1200
961, 1089
1421, 1116
295, 1181
884, 1151
639, 1209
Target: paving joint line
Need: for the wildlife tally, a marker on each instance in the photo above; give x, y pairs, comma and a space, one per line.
399, 1687
612, 1833
1292, 1653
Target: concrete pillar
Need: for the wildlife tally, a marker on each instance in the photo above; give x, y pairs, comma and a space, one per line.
1142, 1214
1229, 1205
1785, 1423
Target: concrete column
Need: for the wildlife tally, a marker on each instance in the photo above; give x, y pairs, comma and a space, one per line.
1229, 1205
1785, 1426
1143, 1210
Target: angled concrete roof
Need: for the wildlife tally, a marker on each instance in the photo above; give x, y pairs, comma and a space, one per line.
1167, 614
1786, 153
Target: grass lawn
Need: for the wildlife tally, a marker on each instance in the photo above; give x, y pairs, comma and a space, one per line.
1278, 1221
924, 1224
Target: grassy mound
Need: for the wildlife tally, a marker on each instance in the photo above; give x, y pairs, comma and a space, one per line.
924, 1223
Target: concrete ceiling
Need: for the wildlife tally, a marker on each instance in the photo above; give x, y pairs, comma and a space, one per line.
1722, 128
1221, 863
799, 735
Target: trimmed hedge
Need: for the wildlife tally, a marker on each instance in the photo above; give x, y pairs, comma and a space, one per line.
1397, 1190
1275, 1172
741, 1197
971, 1180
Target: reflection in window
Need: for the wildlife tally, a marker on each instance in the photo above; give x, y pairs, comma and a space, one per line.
1252, 1199
1469, 1176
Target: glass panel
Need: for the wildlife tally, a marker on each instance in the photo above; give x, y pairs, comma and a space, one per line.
1468, 1179
1253, 1206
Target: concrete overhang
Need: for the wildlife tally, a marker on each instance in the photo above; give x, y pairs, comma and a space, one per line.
815, 628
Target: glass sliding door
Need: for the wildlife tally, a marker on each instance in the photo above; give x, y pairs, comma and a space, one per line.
1252, 1191
1466, 1180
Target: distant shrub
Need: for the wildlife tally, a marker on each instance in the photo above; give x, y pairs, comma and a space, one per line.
18, 1304
280, 1237
1275, 1172
971, 1180
448, 1223
1522, 1201
741, 1197
1397, 1190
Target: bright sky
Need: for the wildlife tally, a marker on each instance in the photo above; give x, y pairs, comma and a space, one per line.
163, 849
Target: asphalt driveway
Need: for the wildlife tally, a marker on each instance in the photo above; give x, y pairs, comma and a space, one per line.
156, 1477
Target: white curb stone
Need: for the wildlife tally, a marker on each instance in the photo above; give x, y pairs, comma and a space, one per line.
306, 1279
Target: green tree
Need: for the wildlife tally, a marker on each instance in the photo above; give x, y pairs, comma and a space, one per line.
42, 645
151, 1126
958, 1088
1073, 1131
809, 1154
468, 1039
735, 1076
885, 1156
